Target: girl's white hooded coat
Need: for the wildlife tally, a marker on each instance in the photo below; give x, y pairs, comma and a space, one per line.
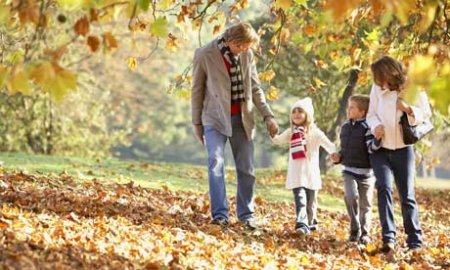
305, 172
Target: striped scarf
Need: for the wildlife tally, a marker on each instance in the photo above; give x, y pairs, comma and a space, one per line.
237, 86
298, 143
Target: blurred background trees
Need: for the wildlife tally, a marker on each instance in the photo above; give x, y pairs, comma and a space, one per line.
107, 77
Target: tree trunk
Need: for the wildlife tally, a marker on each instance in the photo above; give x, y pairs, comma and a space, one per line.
49, 127
341, 114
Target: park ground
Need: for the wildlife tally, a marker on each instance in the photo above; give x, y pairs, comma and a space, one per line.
75, 213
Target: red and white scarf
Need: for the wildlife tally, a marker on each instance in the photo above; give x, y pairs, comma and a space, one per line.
298, 143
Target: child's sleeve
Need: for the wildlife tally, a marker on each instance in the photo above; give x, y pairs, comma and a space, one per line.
325, 142
373, 144
283, 138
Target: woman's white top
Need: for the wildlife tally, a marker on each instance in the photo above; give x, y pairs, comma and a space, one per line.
383, 111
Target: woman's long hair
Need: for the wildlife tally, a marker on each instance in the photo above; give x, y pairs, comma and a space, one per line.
389, 71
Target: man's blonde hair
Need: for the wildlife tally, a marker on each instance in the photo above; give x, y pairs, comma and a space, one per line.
361, 101
242, 33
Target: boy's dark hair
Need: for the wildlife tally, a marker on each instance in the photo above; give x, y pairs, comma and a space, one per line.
362, 102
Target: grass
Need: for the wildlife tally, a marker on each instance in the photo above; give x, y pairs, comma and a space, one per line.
175, 176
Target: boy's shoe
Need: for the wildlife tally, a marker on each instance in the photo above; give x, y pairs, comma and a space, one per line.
314, 226
415, 248
364, 239
250, 225
221, 221
302, 229
388, 247
354, 236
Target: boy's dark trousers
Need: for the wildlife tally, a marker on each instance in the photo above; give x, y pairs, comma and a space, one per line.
358, 200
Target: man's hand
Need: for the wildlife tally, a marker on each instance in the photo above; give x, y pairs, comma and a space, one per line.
198, 131
272, 126
379, 132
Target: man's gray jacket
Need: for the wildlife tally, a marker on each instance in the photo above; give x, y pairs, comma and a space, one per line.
211, 91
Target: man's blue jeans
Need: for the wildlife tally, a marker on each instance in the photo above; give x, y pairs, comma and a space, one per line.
401, 163
243, 153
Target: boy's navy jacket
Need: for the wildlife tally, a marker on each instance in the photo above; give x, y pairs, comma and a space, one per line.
356, 143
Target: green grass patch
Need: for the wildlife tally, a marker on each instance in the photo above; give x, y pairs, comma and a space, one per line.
175, 176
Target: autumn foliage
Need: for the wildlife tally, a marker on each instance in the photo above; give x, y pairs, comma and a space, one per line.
56, 222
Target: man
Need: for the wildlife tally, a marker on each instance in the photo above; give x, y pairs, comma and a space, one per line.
225, 90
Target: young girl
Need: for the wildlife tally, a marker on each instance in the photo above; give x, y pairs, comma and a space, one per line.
303, 175
385, 109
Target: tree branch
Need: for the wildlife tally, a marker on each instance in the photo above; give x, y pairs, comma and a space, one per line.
203, 12
436, 14
447, 21
278, 32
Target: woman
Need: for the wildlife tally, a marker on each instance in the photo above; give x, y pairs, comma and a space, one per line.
385, 109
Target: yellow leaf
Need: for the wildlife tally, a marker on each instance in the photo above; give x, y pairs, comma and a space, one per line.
165, 4
171, 43
273, 93
435, 251
3, 75
243, 3
19, 82
318, 82
64, 82
320, 64
402, 9
340, 9
70, 4
159, 27
370, 248
421, 72
363, 78
405, 266
304, 260
43, 75
429, 10
184, 94
132, 63
267, 75
4, 14
283, 4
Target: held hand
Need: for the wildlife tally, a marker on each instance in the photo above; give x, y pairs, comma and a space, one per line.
335, 157
272, 126
198, 131
403, 106
379, 132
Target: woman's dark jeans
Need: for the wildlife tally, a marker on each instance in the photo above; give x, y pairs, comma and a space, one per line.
401, 163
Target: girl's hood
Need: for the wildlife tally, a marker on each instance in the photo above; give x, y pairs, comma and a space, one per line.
305, 104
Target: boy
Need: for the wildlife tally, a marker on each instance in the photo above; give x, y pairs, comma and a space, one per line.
357, 142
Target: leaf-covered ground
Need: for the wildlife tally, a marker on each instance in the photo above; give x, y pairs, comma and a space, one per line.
56, 222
